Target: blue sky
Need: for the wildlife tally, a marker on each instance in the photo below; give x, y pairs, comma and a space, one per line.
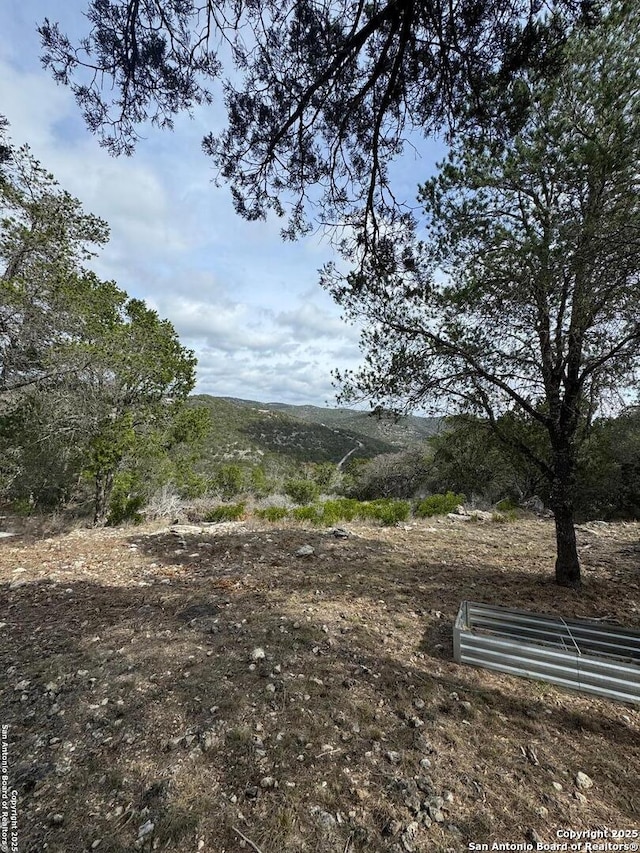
247, 303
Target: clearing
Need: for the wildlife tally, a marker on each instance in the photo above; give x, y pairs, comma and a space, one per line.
182, 688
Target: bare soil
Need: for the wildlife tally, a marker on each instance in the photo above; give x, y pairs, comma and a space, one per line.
143, 715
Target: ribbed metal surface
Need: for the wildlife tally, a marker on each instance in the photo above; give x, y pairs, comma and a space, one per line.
586, 656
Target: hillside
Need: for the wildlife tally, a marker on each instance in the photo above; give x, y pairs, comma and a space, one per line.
249, 431
393, 434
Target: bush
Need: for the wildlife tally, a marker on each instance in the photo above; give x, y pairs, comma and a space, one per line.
301, 491
126, 499
229, 481
506, 505
226, 512
342, 509
438, 504
504, 517
386, 510
308, 513
272, 513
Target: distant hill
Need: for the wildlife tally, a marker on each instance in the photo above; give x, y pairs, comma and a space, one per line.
249, 431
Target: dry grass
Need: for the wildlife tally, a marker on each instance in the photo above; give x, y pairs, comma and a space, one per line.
144, 703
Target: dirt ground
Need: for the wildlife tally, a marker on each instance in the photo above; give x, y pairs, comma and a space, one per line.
209, 689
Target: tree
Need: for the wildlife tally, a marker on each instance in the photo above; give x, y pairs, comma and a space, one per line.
524, 296
138, 372
45, 238
320, 94
84, 371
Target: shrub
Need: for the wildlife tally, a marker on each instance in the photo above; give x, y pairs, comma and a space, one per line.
342, 509
226, 512
308, 513
229, 481
301, 491
272, 513
506, 505
126, 499
504, 517
438, 504
385, 510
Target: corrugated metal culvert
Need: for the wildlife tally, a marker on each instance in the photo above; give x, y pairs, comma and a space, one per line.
591, 657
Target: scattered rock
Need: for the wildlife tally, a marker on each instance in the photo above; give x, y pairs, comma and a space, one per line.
392, 828
146, 829
305, 551
583, 781
339, 533
258, 654
542, 811
268, 782
57, 819
327, 821
409, 836
393, 757
557, 786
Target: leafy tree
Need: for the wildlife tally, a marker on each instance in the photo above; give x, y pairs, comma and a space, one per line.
45, 238
320, 96
526, 295
469, 457
84, 371
138, 370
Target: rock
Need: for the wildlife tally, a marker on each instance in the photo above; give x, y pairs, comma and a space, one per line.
392, 828
327, 821
583, 781
425, 763
95, 844
535, 504
542, 812
409, 836
258, 654
146, 829
580, 797
339, 533
557, 786
393, 757
57, 819
418, 704
533, 837
305, 551
268, 782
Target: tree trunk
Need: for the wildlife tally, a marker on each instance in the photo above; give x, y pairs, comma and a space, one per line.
567, 560
104, 484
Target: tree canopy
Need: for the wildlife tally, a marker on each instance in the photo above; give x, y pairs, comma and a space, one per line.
524, 294
319, 96
84, 370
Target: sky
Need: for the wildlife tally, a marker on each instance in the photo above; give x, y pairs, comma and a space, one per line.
248, 304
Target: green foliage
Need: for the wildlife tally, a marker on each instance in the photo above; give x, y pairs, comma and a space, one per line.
308, 513
272, 513
506, 505
126, 500
438, 504
325, 475
393, 475
386, 510
90, 379
229, 481
301, 491
226, 512
341, 509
